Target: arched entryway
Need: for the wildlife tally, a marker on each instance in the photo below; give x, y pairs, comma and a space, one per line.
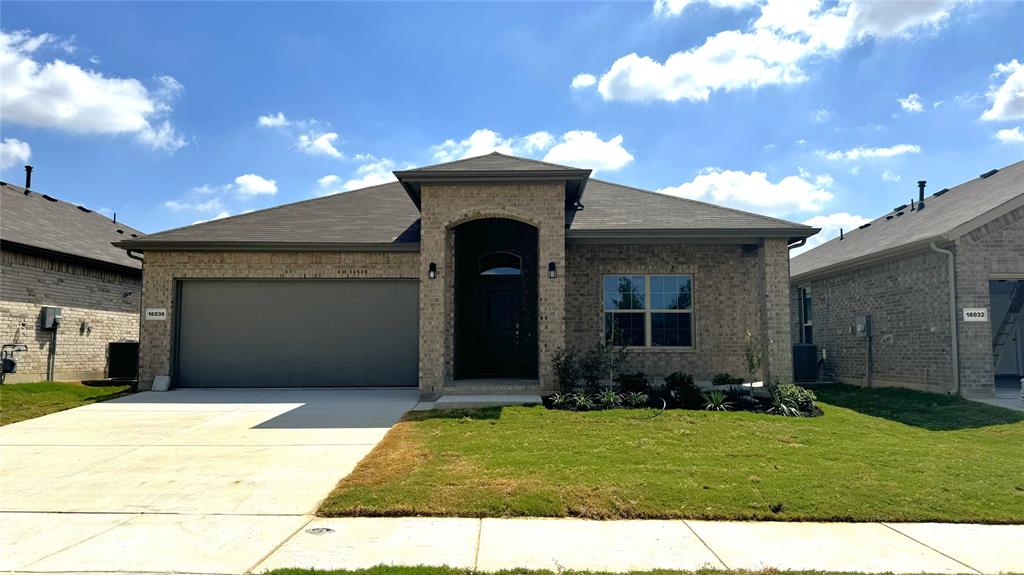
495, 299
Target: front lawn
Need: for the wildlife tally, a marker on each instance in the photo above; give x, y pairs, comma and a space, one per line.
21, 401
876, 455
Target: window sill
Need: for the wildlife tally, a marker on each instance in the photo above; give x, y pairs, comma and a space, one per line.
656, 349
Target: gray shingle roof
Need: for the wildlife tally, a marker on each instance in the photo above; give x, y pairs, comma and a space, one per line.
384, 216
57, 226
942, 216
611, 206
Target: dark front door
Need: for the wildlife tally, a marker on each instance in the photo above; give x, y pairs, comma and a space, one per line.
501, 353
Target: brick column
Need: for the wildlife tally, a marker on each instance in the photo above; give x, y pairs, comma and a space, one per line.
778, 359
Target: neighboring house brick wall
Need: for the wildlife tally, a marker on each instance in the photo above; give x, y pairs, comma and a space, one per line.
729, 296
107, 300
163, 268
445, 207
908, 300
993, 251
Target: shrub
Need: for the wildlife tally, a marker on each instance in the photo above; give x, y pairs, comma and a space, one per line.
789, 399
608, 398
559, 400
592, 367
635, 399
683, 391
567, 369
581, 401
716, 401
633, 382
752, 354
725, 379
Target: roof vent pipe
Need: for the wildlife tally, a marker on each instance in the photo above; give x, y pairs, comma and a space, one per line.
28, 178
840, 234
920, 193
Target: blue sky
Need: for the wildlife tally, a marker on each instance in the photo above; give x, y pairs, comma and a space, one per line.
822, 113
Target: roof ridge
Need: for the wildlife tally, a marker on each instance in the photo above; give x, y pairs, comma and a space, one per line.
272, 208
494, 153
690, 200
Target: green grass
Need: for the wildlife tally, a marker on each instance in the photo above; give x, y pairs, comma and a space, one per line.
21, 401
876, 455
397, 570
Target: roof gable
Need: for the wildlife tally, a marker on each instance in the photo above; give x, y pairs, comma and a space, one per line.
495, 161
42, 222
947, 214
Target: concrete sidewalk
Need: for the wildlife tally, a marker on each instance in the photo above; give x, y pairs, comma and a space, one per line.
493, 544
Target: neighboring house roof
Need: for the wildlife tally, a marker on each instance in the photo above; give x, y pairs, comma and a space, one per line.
383, 217
39, 222
947, 215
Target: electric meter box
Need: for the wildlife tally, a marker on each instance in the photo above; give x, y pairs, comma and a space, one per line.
51, 317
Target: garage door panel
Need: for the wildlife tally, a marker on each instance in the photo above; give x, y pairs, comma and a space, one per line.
298, 333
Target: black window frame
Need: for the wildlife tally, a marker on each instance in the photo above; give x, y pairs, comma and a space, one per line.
648, 311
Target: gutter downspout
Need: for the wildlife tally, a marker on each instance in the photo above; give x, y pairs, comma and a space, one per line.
798, 244
950, 257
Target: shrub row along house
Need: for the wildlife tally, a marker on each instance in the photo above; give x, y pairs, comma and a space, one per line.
66, 293
468, 275
927, 296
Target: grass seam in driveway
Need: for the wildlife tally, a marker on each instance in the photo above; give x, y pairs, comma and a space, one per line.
887, 455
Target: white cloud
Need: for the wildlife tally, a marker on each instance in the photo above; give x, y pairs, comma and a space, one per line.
1010, 135
855, 170
316, 144
14, 152
371, 174
327, 180
220, 216
668, 8
822, 116
911, 103
583, 81
889, 176
211, 205
753, 190
65, 96
830, 225
772, 50
275, 121
253, 185
577, 147
868, 153
1008, 98
585, 149
485, 141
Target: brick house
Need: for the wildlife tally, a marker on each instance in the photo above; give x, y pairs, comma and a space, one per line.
940, 279
56, 254
466, 275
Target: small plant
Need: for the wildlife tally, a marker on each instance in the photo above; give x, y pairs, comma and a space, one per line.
635, 399
726, 379
592, 367
630, 382
683, 391
752, 355
559, 400
608, 398
716, 401
792, 400
567, 369
581, 402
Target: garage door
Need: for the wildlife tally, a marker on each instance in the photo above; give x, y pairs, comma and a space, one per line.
298, 333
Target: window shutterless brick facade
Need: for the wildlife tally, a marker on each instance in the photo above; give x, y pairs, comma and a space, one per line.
107, 301
908, 300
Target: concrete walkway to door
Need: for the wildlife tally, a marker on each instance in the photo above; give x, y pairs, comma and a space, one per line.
198, 480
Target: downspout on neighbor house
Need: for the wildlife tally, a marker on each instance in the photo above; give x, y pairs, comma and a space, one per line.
950, 258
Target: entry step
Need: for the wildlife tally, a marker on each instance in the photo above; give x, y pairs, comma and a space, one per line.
489, 400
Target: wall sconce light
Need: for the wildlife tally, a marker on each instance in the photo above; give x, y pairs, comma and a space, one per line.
552, 272
85, 328
432, 271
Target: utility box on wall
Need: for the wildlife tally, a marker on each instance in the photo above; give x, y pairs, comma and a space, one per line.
51, 317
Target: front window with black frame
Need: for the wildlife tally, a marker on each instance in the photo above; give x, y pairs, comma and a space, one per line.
649, 310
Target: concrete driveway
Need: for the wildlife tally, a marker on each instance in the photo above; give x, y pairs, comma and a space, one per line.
202, 481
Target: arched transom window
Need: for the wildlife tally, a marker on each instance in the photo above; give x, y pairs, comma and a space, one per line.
501, 264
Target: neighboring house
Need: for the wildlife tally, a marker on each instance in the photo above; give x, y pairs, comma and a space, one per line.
468, 275
56, 254
927, 331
